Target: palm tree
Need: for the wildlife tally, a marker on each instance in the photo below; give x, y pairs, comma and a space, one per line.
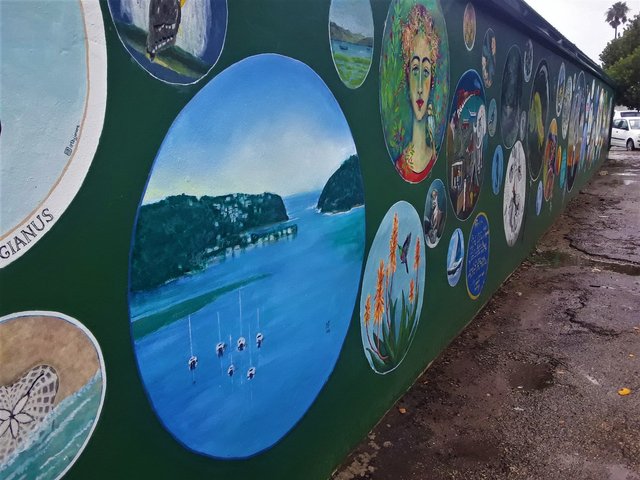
617, 15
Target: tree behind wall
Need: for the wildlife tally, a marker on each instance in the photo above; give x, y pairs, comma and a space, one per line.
621, 61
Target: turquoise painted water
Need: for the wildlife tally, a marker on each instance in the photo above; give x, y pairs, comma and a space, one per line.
62, 436
305, 305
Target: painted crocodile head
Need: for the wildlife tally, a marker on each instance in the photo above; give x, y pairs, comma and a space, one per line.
164, 21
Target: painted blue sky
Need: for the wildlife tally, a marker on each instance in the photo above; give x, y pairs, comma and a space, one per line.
266, 124
354, 15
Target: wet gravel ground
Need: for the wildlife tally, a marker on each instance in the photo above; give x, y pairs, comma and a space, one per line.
530, 389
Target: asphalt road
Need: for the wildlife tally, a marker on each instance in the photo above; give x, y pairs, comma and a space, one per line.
530, 390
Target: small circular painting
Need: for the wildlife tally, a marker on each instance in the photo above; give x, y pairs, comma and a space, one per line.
469, 26
576, 130
497, 170
478, 256
392, 288
489, 58
435, 213
538, 114
549, 160
492, 117
566, 105
176, 41
351, 39
414, 85
513, 202
52, 387
560, 89
511, 100
528, 60
467, 141
455, 257
539, 198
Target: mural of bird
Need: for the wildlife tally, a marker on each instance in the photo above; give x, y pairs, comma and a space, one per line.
404, 250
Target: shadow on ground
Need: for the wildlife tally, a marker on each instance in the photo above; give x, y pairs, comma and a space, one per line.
530, 389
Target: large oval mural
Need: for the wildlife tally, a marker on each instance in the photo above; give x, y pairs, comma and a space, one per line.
513, 200
351, 38
511, 100
576, 128
467, 140
414, 85
52, 387
176, 41
252, 220
52, 105
393, 288
538, 115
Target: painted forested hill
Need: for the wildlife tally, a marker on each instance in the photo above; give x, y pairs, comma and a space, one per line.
343, 191
345, 35
180, 233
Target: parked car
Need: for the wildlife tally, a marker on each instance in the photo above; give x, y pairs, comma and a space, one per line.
625, 132
626, 114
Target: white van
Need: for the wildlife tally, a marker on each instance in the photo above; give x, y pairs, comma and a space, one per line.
625, 132
626, 114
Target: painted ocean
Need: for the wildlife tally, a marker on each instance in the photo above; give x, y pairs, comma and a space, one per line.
60, 438
297, 298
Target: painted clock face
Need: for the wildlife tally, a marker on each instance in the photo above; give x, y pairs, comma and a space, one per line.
515, 184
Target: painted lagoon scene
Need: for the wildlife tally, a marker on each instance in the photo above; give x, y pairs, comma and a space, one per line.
351, 37
247, 257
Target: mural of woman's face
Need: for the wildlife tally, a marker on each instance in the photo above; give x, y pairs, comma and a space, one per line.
420, 66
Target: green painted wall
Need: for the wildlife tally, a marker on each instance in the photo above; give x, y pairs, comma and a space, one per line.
81, 267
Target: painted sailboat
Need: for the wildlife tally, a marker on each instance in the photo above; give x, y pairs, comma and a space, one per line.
220, 346
193, 359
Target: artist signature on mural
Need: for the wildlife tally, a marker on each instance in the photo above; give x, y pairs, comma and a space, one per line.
69, 148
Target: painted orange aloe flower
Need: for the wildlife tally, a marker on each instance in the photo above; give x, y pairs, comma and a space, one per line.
367, 311
416, 263
379, 297
393, 245
412, 288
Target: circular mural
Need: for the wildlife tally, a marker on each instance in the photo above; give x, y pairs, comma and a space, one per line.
515, 185
562, 176
523, 125
455, 257
176, 41
351, 39
528, 60
414, 85
51, 123
539, 197
392, 289
435, 213
566, 105
510, 105
538, 115
576, 130
210, 245
478, 256
52, 387
467, 140
469, 26
549, 162
489, 58
560, 90
492, 117
497, 170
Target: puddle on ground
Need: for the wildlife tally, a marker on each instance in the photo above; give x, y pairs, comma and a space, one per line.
556, 259
529, 377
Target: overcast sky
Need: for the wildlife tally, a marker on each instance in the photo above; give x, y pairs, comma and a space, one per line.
582, 21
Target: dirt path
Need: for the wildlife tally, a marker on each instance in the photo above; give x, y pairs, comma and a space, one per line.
530, 389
